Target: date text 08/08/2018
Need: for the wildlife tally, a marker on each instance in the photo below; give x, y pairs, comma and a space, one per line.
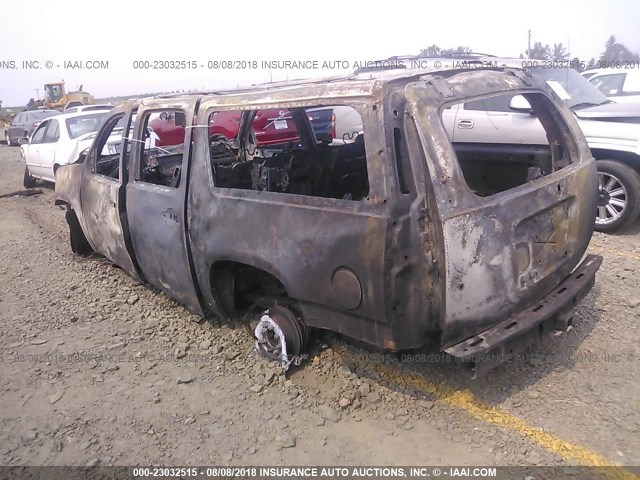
580, 65
310, 472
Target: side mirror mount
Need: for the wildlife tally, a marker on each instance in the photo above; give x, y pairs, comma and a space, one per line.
520, 104
23, 141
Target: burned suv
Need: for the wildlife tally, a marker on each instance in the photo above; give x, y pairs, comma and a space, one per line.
391, 234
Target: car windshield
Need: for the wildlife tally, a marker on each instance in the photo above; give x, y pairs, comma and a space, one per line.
81, 125
571, 87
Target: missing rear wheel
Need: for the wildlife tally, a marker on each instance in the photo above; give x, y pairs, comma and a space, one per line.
281, 336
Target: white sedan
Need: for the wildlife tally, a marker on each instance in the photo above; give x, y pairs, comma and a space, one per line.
58, 141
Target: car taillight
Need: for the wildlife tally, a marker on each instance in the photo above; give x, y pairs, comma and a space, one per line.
333, 125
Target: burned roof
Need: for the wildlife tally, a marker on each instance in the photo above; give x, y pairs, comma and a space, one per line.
365, 84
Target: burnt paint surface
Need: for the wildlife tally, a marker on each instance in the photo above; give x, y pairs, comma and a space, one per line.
304, 240
548, 222
156, 217
410, 251
98, 201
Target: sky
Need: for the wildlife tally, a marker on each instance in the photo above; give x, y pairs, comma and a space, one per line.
123, 32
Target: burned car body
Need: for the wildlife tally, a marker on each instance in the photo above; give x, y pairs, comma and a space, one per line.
392, 235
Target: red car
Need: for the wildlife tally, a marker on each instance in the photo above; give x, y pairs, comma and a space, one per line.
270, 127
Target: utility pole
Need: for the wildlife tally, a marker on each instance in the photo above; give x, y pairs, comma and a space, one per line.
38, 93
529, 45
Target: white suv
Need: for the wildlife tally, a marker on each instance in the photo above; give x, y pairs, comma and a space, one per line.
618, 84
612, 131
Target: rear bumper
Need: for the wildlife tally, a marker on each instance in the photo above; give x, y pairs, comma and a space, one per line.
500, 343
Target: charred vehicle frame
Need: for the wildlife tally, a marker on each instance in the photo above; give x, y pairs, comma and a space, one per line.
382, 237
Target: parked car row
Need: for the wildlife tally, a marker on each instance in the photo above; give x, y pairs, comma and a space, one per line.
270, 126
24, 123
57, 141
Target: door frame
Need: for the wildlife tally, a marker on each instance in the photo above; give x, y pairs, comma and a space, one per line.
179, 282
114, 243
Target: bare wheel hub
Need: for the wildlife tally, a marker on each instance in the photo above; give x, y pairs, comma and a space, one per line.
281, 336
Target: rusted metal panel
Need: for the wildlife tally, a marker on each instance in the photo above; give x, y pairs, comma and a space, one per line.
502, 342
550, 219
156, 216
98, 200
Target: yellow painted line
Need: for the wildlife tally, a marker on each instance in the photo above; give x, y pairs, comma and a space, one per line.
466, 401
614, 251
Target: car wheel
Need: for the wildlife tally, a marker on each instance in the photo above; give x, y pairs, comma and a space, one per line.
28, 181
618, 195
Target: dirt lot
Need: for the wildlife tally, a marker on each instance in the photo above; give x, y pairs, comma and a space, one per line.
97, 369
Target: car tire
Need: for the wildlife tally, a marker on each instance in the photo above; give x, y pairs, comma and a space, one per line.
28, 181
79, 243
618, 195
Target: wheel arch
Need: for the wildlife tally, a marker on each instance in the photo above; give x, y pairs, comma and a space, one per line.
77, 238
628, 158
232, 281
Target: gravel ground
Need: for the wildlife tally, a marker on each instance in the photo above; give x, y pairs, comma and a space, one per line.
98, 369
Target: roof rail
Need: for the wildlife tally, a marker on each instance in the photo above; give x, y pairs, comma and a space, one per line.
381, 65
257, 86
444, 55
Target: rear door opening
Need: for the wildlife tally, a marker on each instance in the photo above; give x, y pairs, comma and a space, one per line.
501, 142
515, 194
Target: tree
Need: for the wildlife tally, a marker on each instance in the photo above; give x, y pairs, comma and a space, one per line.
435, 51
558, 52
616, 52
457, 50
575, 64
432, 51
540, 52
